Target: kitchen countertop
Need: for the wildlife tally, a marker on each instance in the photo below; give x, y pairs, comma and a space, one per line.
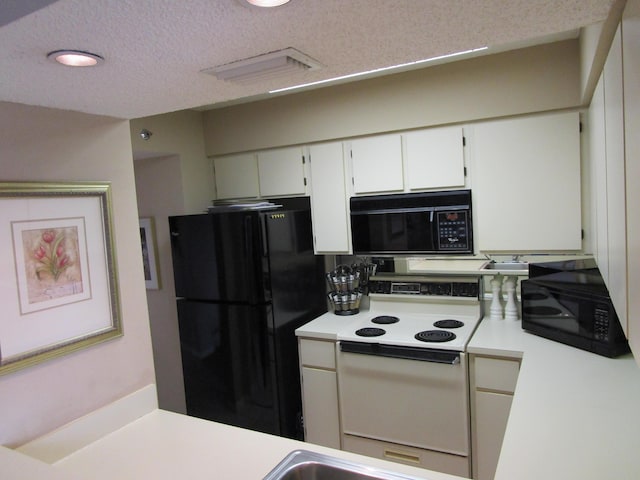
165, 445
575, 414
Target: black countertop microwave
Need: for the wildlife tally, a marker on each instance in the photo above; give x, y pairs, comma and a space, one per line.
414, 223
574, 308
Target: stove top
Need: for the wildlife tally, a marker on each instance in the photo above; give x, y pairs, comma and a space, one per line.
424, 330
434, 312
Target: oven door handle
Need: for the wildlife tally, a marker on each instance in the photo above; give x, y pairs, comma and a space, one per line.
449, 357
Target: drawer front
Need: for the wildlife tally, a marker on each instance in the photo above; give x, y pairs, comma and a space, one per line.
416, 457
496, 374
317, 353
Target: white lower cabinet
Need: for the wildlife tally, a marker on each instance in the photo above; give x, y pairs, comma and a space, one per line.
416, 457
493, 381
319, 392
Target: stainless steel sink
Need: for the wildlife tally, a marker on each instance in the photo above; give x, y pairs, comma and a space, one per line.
510, 266
306, 465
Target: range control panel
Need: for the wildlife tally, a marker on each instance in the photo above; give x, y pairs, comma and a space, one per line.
441, 287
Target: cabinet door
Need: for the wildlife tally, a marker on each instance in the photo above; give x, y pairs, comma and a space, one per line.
435, 158
281, 172
616, 277
631, 75
492, 413
526, 184
320, 407
329, 199
236, 176
377, 164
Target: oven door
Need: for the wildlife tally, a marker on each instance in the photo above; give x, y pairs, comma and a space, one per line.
406, 401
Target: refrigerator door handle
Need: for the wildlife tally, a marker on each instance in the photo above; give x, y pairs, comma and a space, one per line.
263, 225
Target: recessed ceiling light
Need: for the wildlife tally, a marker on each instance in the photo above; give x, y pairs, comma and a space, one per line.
75, 58
267, 3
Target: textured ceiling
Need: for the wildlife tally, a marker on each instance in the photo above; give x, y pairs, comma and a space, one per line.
155, 49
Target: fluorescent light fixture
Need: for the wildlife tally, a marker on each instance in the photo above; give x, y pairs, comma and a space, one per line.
75, 58
383, 69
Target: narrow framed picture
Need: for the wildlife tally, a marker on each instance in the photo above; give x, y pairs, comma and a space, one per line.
149, 253
60, 288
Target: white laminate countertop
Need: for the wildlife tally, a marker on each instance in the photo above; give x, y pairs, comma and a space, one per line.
163, 445
575, 415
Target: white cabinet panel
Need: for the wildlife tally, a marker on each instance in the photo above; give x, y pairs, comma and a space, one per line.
319, 392
435, 158
320, 407
598, 171
616, 276
377, 164
493, 381
329, 199
631, 75
236, 176
281, 172
492, 413
526, 183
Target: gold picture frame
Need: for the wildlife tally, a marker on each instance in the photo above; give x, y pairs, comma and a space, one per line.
149, 247
60, 291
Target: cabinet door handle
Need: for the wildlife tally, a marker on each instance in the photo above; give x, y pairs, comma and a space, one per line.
402, 456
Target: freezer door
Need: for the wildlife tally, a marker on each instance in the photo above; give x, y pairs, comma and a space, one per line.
239, 369
217, 257
296, 276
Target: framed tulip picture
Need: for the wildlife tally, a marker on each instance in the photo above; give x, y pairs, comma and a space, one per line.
58, 281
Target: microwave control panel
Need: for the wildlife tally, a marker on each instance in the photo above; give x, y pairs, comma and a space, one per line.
453, 231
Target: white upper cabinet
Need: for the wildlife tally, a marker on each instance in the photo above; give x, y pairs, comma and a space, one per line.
434, 158
526, 184
236, 176
631, 80
613, 183
329, 199
281, 172
377, 164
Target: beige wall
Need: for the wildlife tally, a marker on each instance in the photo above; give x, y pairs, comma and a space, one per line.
173, 177
179, 133
521, 81
41, 144
159, 191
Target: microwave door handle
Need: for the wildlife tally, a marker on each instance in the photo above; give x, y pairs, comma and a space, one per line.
435, 240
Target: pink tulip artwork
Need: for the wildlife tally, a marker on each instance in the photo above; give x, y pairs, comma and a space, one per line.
52, 263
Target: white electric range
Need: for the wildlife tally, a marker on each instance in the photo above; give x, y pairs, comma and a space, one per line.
422, 312
403, 375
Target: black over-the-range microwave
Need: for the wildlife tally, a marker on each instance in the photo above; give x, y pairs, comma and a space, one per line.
572, 307
413, 223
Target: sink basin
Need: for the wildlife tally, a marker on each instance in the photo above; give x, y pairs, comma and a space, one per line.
306, 465
509, 266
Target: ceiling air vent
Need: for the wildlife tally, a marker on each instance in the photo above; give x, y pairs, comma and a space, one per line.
264, 67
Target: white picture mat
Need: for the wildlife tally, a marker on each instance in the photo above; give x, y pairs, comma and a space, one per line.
39, 330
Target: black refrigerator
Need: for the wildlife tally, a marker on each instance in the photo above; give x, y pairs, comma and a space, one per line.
245, 280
